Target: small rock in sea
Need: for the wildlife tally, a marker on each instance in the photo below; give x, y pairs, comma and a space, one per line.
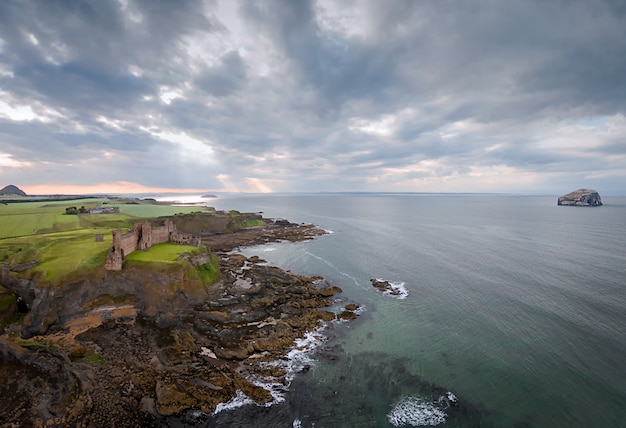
351, 307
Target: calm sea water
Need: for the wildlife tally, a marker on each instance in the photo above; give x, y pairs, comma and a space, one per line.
515, 305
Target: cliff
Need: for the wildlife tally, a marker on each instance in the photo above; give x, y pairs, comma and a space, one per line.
581, 198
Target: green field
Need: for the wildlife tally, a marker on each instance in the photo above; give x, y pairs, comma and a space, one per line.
32, 218
161, 253
36, 218
148, 210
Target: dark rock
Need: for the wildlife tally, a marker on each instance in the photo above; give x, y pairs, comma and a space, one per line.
581, 198
347, 315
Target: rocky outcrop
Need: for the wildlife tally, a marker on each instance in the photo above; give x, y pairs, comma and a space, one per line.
386, 287
581, 198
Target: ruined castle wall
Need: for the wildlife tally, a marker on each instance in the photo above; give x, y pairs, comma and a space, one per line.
128, 242
160, 234
182, 238
144, 235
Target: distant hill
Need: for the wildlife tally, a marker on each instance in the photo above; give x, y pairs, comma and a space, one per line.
12, 190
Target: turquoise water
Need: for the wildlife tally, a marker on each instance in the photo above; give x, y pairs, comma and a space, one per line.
515, 305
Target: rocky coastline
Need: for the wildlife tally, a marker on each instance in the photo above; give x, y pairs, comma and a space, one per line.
138, 348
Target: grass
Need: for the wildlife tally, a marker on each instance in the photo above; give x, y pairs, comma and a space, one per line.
150, 210
209, 272
36, 218
6, 301
31, 218
251, 223
69, 255
160, 253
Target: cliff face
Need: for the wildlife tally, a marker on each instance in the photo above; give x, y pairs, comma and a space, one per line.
158, 293
581, 198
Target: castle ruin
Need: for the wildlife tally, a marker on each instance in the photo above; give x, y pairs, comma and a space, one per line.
143, 236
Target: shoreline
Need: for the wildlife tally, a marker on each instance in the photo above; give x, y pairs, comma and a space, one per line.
154, 358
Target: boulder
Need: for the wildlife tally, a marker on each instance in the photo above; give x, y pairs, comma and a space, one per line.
581, 198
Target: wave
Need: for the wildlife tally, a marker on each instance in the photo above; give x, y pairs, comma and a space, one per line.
296, 360
413, 411
239, 400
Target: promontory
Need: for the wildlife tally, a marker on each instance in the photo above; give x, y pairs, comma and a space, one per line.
182, 325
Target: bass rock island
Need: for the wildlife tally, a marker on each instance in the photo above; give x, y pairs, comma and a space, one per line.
581, 198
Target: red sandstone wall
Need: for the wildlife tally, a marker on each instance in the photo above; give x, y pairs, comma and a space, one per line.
128, 243
160, 234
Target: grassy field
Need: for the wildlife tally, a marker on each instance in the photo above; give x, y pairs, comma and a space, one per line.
32, 218
148, 210
161, 253
60, 256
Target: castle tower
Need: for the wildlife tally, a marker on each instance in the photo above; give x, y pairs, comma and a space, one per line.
115, 256
145, 236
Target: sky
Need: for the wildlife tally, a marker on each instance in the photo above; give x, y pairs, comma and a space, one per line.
124, 96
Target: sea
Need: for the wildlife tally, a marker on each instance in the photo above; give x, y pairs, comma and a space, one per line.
509, 311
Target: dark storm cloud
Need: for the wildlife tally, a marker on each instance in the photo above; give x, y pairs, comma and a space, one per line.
339, 69
225, 78
305, 95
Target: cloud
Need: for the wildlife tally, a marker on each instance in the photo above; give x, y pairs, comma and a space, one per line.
278, 95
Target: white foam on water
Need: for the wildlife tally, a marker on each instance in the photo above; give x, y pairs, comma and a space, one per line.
358, 311
300, 355
267, 250
396, 290
239, 400
330, 232
297, 423
412, 411
294, 362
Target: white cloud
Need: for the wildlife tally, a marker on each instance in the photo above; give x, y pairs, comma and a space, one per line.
191, 148
18, 113
7, 161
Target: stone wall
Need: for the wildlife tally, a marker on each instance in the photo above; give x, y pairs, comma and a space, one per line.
163, 233
127, 242
123, 245
143, 236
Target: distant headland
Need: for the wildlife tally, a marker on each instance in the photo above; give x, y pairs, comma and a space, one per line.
12, 191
